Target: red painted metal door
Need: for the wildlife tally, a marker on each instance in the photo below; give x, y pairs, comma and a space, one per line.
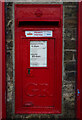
38, 82
37, 88
38, 62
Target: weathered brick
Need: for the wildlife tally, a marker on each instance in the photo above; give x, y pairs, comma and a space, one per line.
70, 76
9, 44
70, 33
70, 3
8, 34
69, 55
9, 109
70, 12
70, 66
69, 44
70, 22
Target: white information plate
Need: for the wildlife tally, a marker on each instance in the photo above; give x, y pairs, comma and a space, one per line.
39, 33
38, 53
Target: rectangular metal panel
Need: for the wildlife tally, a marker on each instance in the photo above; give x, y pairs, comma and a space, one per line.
38, 33
38, 12
38, 88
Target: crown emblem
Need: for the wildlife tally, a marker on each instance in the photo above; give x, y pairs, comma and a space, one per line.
38, 13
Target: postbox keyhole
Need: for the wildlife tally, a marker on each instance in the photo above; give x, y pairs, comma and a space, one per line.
28, 71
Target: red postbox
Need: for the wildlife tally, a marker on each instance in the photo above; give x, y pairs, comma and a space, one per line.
38, 58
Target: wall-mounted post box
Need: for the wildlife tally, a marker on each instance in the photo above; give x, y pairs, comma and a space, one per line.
38, 58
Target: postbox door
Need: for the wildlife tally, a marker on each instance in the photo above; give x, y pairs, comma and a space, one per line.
38, 73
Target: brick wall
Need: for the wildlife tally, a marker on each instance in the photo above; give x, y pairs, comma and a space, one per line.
70, 56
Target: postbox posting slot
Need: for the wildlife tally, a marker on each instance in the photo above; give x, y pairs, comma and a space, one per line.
39, 23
